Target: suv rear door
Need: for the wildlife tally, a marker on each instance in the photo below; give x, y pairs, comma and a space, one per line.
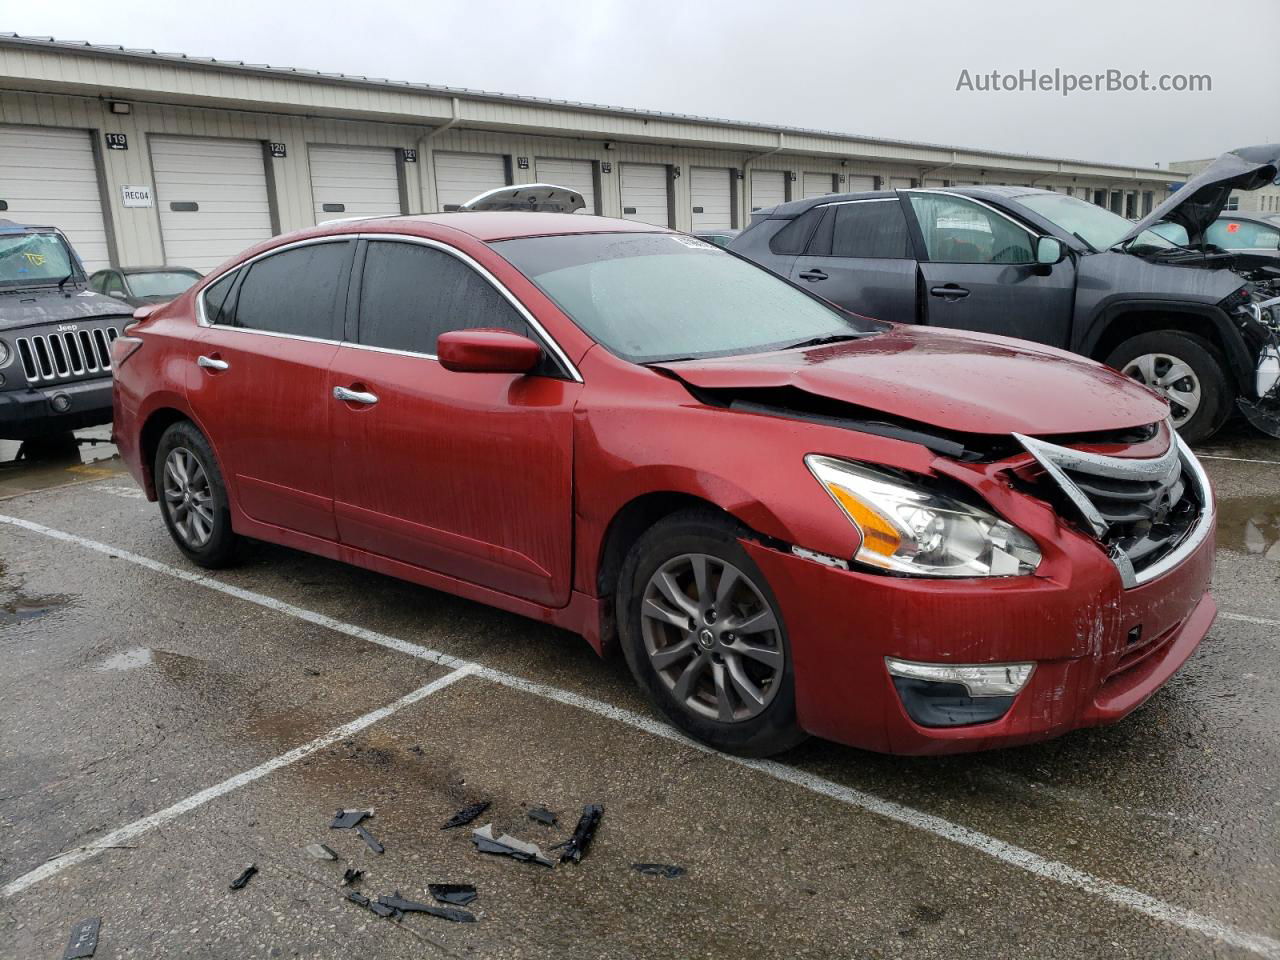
979, 272
860, 257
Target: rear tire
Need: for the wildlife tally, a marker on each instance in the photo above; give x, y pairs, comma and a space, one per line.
193, 497
703, 635
1185, 369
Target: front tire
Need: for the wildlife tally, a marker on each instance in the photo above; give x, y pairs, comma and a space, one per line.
703, 635
1187, 371
193, 497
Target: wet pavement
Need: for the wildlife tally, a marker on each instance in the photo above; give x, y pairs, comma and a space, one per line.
128, 690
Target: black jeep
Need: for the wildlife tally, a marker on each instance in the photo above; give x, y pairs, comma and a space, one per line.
55, 336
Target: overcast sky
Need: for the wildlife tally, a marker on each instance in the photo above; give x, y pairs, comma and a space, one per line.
883, 68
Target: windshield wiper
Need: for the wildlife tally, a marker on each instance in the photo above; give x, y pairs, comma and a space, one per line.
1092, 248
822, 341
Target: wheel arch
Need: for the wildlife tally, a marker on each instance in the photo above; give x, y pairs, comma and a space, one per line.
153, 427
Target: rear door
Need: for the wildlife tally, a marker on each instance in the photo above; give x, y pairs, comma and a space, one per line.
860, 258
260, 392
469, 475
980, 272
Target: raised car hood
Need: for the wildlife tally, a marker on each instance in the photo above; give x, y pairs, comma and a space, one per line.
533, 197
1198, 202
964, 382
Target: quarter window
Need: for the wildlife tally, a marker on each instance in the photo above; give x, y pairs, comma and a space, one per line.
293, 292
215, 296
411, 293
958, 231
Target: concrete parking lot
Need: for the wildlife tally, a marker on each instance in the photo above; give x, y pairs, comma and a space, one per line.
161, 729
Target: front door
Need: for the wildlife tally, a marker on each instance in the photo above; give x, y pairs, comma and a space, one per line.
260, 388
980, 273
860, 258
466, 474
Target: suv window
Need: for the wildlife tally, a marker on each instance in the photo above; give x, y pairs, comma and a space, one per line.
1242, 235
959, 231
791, 239
215, 295
294, 292
411, 293
870, 229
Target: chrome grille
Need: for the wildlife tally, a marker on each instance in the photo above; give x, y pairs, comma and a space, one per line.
50, 357
1149, 514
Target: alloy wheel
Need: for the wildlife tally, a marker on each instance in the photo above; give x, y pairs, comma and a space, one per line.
188, 497
712, 637
1172, 378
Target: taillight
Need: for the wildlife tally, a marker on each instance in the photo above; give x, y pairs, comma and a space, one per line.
122, 348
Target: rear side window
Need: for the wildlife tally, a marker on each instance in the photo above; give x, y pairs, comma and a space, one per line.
294, 292
791, 239
411, 293
875, 229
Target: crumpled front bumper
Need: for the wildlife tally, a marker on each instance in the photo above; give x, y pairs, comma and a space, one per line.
1079, 629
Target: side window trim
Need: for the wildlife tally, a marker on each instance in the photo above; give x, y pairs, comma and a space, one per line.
242, 270
548, 343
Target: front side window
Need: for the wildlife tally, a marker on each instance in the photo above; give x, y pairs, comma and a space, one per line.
35, 258
1242, 235
293, 292
870, 229
411, 293
653, 297
960, 231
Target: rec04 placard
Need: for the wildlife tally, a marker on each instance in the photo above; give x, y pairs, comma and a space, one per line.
136, 196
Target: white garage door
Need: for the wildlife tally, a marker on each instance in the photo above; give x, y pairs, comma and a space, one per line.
575, 174
817, 184
768, 188
711, 197
212, 197
461, 176
899, 183
644, 193
48, 179
354, 182
855, 184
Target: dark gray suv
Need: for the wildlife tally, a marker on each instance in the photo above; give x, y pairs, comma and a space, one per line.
1044, 266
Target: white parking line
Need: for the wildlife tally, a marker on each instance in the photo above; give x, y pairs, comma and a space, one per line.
1210, 456
1245, 618
1006, 853
126, 833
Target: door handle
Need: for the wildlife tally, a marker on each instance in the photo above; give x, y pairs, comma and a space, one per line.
212, 363
812, 275
354, 396
950, 291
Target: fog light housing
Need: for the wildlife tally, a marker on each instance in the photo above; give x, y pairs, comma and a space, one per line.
957, 695
60, 402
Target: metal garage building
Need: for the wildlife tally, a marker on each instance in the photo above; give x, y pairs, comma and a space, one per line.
145, 157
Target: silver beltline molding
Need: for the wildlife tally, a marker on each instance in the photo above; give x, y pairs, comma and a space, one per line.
1165, 469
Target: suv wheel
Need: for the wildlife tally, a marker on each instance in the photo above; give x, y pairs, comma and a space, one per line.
193, 497
1187, 371
703, 636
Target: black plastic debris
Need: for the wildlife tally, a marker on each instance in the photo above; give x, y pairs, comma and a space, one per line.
401, 905
318, 851
371, 843
544, 816
459, 894
351, 876
466, 815
659, 870
358, 898
346, 819
576, 846
385, 910
508, 846
245, 876
84, 939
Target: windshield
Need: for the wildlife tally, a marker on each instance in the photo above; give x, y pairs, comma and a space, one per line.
33, 258
161, 283
1242, 235
654, 296
1100, 228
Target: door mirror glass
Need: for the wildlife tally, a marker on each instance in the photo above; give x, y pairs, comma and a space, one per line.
118, 294
1049, 250
482, 350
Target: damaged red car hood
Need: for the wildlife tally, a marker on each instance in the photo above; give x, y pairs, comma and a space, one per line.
967, 382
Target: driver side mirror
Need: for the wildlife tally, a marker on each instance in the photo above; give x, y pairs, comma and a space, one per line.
118, 294
487, 351
1050, 250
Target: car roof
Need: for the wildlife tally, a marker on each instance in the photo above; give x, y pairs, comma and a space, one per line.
156, 269
499, 225
788, 211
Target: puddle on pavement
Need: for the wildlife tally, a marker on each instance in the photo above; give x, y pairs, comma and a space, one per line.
51, 461
127, 660
20, 608
1250, 525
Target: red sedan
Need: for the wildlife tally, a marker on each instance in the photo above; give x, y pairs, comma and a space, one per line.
791, 519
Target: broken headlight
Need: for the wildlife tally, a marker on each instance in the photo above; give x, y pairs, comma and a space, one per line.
909, 528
